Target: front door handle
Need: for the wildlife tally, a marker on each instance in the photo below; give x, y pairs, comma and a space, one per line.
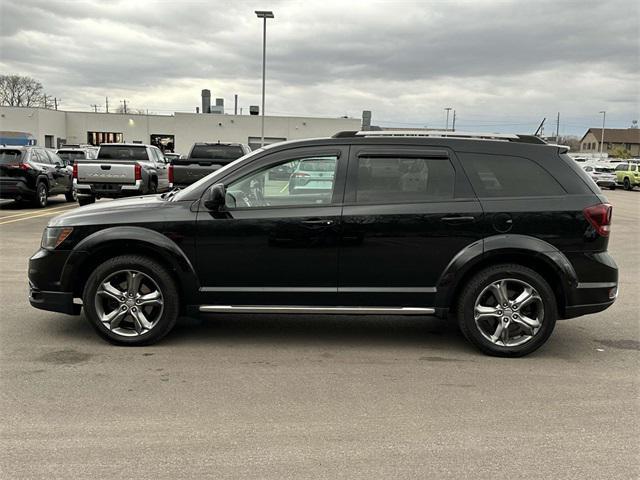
318, 221
458, 219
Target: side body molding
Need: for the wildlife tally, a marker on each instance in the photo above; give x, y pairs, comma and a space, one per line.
156, 243
510, 247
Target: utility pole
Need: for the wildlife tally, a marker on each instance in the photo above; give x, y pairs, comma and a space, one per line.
263, 15
95, 107
447, 127
55, 102
604, 116
235, 104
558, 129
45, 100
453, 124
106, 103
125, 106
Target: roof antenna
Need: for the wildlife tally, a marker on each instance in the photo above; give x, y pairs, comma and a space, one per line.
540, 127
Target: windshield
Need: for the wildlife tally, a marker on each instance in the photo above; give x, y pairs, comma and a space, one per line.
213, 175
10, 156
217, 152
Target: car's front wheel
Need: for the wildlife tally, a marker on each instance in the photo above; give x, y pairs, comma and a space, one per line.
507, 310
131, 300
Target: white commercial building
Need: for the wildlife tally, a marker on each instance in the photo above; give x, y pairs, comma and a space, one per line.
52, 128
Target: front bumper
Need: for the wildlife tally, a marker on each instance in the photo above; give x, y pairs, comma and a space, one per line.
46, 291
54, 301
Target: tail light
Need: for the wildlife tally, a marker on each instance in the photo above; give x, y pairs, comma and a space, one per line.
137, 169
599, 216
170, 174
75, 170
24, 166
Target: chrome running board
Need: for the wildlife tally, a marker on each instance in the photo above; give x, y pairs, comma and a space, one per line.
336, 310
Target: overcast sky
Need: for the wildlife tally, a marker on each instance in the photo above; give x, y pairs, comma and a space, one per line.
503, 65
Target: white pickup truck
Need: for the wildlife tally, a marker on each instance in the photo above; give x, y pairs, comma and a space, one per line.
121, 169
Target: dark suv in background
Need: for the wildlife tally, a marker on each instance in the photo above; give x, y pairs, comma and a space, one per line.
502, 233
33, 174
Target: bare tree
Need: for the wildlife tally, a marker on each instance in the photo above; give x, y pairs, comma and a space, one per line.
19, 91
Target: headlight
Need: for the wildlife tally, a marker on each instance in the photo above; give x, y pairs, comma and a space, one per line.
52, 237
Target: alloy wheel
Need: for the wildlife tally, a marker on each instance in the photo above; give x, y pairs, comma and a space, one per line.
129, 303
509, 312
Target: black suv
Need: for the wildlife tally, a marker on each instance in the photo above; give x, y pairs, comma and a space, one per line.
33, 174
506, 234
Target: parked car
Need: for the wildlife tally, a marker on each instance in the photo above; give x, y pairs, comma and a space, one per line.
71, 154
628, 174
33, 174
120, 170
203, 159
602, 174
503, 234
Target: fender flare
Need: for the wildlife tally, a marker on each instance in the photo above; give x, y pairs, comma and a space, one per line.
503, 245
161, 245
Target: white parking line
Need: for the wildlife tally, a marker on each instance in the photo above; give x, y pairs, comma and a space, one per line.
43, 214
29, 212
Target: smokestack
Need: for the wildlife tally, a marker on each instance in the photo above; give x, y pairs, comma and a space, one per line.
206, 101
366, 120
235, 104
219, 107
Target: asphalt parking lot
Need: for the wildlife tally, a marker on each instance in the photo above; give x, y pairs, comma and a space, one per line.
315, 397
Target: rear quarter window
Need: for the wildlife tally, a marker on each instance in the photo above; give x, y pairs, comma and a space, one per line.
509, 176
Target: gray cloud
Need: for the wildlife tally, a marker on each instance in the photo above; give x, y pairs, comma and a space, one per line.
501, 64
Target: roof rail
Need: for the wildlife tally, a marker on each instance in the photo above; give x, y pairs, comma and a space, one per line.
505, 137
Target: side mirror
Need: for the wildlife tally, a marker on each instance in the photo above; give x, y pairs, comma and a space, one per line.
59, 165
215, 197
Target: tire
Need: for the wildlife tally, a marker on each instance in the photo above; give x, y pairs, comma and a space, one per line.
612, 187
627, 184
159, 319
42, 195
86, 200
541, 308
71, 195
153, 187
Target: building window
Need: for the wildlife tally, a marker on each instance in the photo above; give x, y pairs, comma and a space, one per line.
96, 138
627, 146
164, 142
48, 141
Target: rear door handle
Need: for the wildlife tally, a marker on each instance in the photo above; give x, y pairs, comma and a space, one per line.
318, 221
458, 219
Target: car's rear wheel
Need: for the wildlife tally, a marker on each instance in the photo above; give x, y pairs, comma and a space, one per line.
42, 195
131, 300
507, 310
86, 200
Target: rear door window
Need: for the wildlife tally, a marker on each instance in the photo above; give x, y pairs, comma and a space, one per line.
403, 180
509, 176
39, 156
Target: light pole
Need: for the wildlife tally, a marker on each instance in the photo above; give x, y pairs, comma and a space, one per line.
448, 109
263, 14
604, 116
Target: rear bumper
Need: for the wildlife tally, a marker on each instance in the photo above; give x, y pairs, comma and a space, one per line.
15, 189
108, 190
597, 287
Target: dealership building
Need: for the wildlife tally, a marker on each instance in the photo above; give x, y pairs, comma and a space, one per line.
177, 132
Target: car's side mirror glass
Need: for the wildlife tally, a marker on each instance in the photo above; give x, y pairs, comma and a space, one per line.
215, 197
